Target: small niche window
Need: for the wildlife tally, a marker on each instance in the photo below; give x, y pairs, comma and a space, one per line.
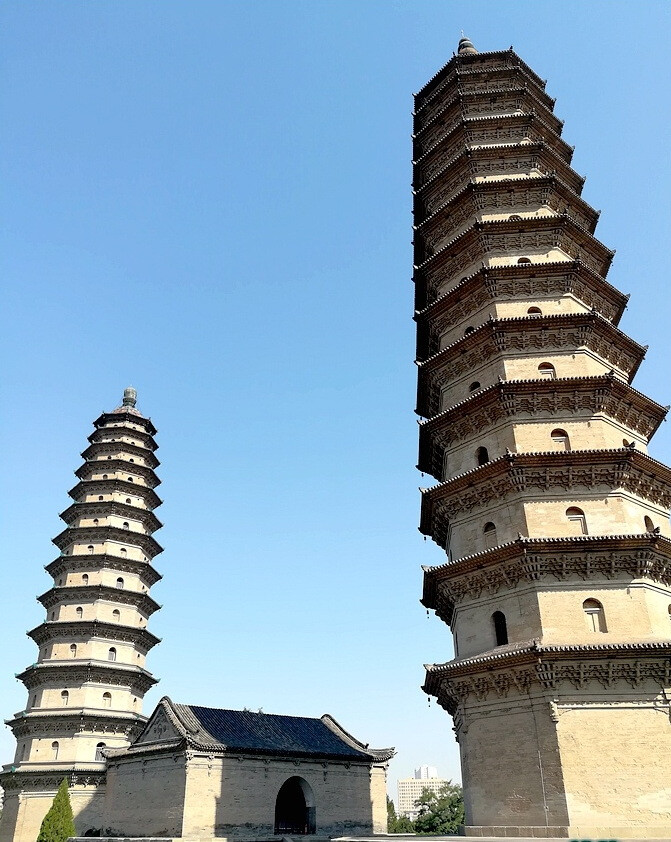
534, 311
100, 497
547, 370
500, 628
475, 385
560, 439
594, 614
107, 700
116, 615
54, 750
119, 582
85, 579
576, 517
90, 548
99, 751
514, 217
489, 532
79, 611
522, 261
104, 476
123, 551
130, 479
96, 522
73, 650
111, 654
65, 698
126, 525
482, 456
128, 500
649, 525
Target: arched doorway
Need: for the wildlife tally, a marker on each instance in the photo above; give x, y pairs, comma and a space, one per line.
295, 808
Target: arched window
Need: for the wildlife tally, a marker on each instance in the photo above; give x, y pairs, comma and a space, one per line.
85, 578
119, 582
54, 750
111, 655
65, 698
104, 476
560, 439
475, 385
576, 517
535, 311
79, 611
482, 456
594, 614
107, 700
126, 525
490, 535
523, 260
123, 551
547, 370
649, 525
116, 615
468, 330
500, 628
130, 479
96, 522
100, 497
127, 499
99, 753
90, 548
73, 650
515, 217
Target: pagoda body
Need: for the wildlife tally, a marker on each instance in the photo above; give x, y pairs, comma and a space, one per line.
86, 688
554, 519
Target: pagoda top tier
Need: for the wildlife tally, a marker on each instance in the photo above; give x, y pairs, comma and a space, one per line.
128, 411
468, 56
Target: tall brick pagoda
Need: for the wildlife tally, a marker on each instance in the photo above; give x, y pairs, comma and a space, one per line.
554, 519
86, 688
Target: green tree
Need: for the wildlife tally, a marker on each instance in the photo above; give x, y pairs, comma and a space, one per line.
58, 823
397, 824
440, 812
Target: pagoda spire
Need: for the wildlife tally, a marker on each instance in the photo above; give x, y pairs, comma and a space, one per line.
86, 687
466, 47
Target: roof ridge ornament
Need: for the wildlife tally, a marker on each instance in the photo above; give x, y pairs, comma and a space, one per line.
129, 396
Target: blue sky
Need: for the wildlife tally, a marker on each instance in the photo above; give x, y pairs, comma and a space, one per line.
211, 201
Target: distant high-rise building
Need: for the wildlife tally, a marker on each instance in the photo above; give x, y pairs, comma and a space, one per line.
410, 789
554, 519
425, 772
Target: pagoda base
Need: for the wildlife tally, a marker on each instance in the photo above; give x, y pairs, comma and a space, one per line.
658, 833
29, 797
